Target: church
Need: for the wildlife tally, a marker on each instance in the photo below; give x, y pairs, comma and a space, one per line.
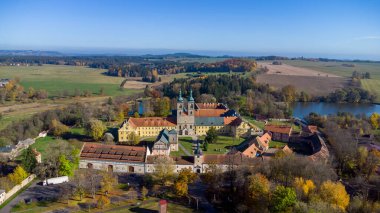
189, 119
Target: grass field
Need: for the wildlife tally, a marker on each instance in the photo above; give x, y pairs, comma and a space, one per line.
58, 78
220, 147
336, 68
373, 86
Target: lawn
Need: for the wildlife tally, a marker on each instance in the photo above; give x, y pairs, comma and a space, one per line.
373, 86
151, 205
59, 78
277, 144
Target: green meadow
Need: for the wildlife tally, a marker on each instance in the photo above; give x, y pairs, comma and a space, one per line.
373, 86
56, 79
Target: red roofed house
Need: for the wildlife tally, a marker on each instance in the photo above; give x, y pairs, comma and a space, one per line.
257, 146
278, 132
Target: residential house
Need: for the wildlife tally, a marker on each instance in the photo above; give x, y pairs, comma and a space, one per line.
278, 132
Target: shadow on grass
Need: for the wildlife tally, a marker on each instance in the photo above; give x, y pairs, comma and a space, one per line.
142, 210
77, 136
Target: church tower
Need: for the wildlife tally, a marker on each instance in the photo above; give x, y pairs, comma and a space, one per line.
185, 115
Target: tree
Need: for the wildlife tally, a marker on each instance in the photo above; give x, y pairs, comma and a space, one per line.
163, 169
58, 128
289, 93
335, 194
257, 189
211, 135
187, 175
375, 120
18, 175
95, 129
205, 146
108, 182
134, 138
283, 198
144, 192
29, 160
65, 166
136, 115
103, 201
180, 188
108, 138
303, 187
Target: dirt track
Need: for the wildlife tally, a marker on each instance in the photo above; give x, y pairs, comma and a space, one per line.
285, 69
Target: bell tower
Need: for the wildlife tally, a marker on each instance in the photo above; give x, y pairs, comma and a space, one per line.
180, 105
190, 104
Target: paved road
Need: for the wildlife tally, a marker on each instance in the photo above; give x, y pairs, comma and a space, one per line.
34, 192
197, 190
184, 150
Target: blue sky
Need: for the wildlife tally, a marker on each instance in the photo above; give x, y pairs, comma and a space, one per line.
320, 28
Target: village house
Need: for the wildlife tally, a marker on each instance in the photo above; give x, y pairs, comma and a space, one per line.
278, 132
2, 196
257, 146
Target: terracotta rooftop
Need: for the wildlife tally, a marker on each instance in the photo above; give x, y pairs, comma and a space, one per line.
152, 122
102, 152
278, 128
251, 151
264, 139
209, 112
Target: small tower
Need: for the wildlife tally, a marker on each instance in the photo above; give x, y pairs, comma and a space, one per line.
180, 109
190, 104
198, 159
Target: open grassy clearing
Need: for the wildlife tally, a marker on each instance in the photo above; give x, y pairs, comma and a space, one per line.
373, 86
58, 78
277, 144
220, 147
337, 68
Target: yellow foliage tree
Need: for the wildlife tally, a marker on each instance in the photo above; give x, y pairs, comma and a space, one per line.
335, 194
103, 201
375, 120
180, 188
257, 187
187, 175
303, 186
18, 175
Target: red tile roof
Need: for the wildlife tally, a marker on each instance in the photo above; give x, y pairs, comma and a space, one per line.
180, 160
152, 122
228, 159
264, 139
278, 128
103, 152
311, 129
209, 112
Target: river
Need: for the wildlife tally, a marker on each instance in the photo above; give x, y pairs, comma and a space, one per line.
301, 109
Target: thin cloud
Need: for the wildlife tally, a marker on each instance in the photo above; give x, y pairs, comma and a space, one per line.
368, 38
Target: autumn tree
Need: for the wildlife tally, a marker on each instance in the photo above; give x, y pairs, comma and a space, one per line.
144, 192
375, 120
18, 175
95, 129
303, 187
103, 201
187, 175
257, 188
334, 194
108, 182
163, 169
283, 198
134, 139
58, 128
65, 166
180, 188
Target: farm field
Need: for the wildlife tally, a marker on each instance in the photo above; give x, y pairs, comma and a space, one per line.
313, 85
336, 68
285, 69
373, 86
58, 78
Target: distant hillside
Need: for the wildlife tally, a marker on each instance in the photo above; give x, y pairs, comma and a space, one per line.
175, 55
29, 53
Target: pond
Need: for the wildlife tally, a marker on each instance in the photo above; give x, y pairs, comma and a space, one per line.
301, 109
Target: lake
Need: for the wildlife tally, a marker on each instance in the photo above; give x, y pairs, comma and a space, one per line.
301, 109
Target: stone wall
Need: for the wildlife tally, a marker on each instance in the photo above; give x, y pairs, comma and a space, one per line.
19, 186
